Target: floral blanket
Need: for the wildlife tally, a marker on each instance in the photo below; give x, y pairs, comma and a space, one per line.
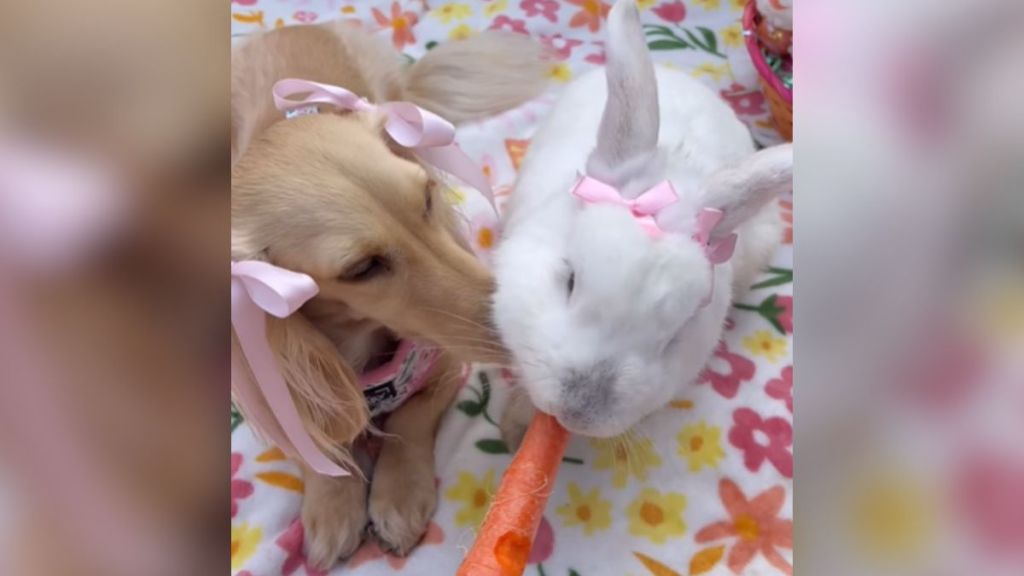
704, 486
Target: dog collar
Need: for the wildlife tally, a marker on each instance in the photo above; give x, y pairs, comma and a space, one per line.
387, 387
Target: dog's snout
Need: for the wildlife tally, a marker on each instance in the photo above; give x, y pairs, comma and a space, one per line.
587, 395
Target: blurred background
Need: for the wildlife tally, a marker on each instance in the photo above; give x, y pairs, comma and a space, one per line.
114, 220
910, 258
114, 199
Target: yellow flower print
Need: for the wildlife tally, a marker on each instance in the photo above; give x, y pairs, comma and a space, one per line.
453, 195
560, 71
737, 5
708, 4
475, 496
588, 510
657, 516
717, 72
244, 541
700, 445
495, 8
452, 11
348, 9
732, 36
645, 4
764, 343
625, 455
461, 32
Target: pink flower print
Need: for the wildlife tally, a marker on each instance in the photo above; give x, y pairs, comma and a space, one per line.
291, 542
239, 488
781, 388
245, 2
786, 315
305, 16
503, 22
502, 194
763, 439
547, 9
371, 550
560, 46
598, 57
744, 101
543, 544
726, 377
674, 12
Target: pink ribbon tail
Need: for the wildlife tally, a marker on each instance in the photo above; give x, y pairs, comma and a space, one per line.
258, 288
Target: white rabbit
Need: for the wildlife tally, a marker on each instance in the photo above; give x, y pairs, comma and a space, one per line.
605, 321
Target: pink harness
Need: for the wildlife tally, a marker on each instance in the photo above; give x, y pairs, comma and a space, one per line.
387, 387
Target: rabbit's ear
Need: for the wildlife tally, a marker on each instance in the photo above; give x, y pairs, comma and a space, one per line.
740, 190
628, 136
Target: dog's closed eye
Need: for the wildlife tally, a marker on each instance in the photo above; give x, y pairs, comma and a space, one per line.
366, 269
429, 201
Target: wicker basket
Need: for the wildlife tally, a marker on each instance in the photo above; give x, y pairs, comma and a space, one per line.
780, 98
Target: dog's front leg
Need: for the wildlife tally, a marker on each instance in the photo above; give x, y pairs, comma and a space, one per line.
334, 517
403, 494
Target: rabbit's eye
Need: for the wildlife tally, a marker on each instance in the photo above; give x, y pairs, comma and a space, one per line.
570, 283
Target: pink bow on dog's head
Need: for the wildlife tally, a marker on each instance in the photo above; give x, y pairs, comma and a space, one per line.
429, 135
258, 289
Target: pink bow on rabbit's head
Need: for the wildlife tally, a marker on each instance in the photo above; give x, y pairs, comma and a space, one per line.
647, 205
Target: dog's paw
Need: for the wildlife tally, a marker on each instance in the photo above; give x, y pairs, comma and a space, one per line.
403, 497
334, 517
516, 418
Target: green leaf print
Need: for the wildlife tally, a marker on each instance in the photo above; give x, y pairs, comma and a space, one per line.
668, 45
492, 446
470, 407
710, 40
665, 38
777, 277
236, 417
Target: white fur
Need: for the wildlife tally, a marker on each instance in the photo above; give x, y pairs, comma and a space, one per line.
635, 310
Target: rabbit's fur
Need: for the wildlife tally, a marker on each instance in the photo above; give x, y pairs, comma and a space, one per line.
604, 321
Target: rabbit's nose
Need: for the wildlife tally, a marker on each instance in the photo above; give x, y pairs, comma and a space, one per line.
588, 394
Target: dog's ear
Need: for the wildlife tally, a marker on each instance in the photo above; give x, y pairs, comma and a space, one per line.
323, 387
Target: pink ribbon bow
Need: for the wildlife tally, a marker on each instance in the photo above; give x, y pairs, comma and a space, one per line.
647, 205
432, 137
717, 251
257, 289
644, 207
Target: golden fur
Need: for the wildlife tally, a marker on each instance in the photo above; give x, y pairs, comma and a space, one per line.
328, 195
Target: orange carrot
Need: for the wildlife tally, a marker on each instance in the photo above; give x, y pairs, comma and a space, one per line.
506, 537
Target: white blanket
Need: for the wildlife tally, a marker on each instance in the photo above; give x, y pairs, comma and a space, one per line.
706, 486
